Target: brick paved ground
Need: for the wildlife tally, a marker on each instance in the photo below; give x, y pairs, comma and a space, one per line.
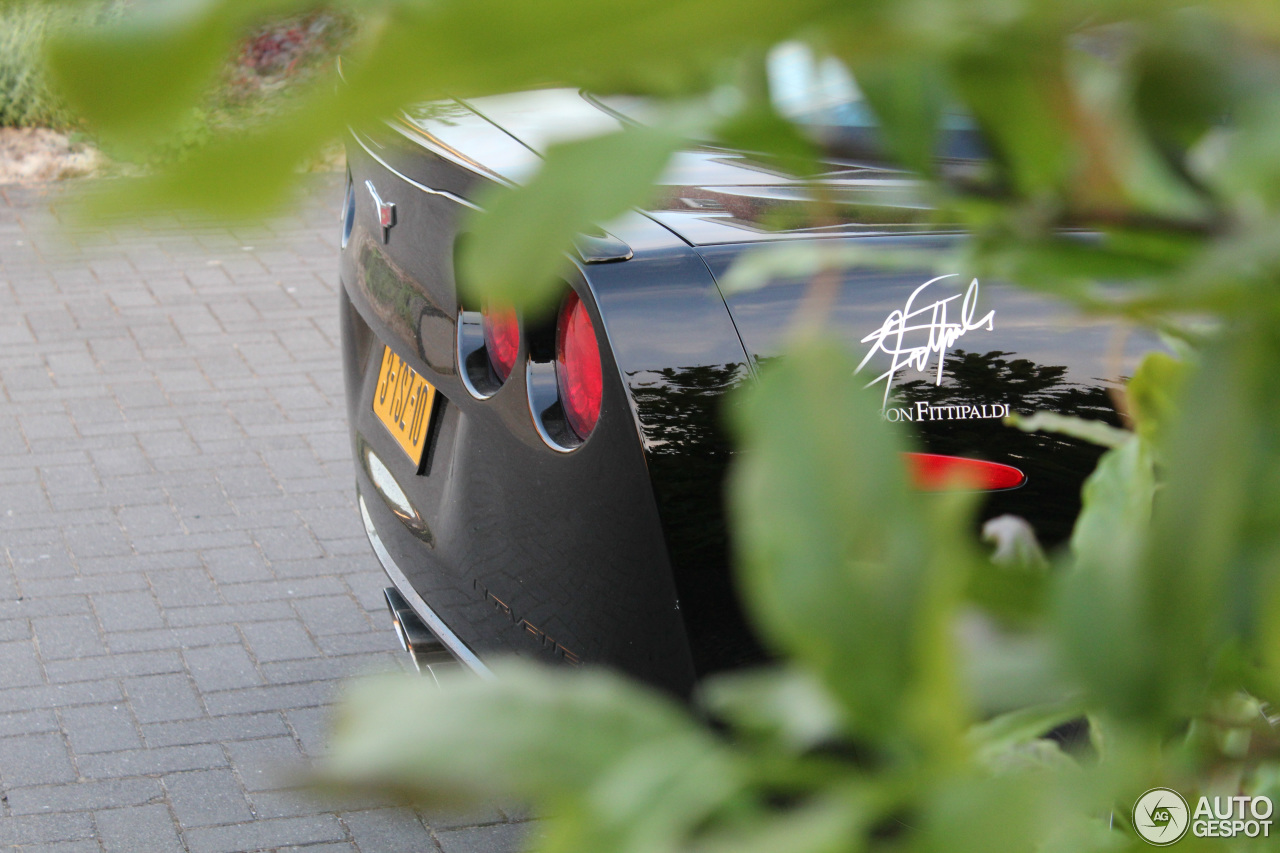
183, 577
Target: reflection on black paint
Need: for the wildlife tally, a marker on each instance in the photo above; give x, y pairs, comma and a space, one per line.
1056, 465
403, 306
881, 201
445, 112
390, 289
680, 410
970, 377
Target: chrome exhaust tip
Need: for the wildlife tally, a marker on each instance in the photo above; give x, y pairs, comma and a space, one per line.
423, 647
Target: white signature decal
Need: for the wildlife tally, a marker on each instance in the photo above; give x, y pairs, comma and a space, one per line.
913, 335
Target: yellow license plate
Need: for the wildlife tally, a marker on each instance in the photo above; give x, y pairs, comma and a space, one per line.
403, 402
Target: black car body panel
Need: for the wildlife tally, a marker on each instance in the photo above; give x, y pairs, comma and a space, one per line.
615, 551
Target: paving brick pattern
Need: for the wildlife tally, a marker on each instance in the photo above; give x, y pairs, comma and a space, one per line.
184, 579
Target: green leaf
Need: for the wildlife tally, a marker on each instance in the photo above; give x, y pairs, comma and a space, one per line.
1121, 161
1215, 538
478, 47
784, 705
136, 77
1016, 728
1006, 669
1097, 432
1015, 592
778, 142
1268, 658
264, 162
134, 82
1018, 93
908, 96
1082, 832
978, 814
516, 250
1068, 265
1147, 616
840, 564
1101, 598
1182, 79
755, 268
828, 824
1154, 393
615, 760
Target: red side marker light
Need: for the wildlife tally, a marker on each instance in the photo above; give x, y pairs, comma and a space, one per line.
501, 337
932, 472
578, 366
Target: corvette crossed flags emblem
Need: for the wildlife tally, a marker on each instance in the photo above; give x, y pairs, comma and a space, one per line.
385, 209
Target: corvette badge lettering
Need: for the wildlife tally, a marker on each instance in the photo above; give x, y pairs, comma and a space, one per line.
912, 335
533, 632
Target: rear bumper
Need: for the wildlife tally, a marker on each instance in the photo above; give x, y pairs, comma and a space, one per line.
428, 616
512, 547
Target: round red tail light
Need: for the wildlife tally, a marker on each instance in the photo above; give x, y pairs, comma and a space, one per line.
578, 367
501, 337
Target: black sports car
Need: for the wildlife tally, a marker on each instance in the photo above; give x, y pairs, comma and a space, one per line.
552, 489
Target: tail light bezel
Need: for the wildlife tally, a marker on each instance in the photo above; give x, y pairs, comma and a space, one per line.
477, 366
545, 378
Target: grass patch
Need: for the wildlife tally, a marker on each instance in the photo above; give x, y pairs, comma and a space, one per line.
25, 97
26, 100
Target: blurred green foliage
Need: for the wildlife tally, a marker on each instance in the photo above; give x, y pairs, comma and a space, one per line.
268, 67
1153, 125
261, 72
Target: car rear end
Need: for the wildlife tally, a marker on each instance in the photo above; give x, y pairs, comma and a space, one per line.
500, 473
552, 487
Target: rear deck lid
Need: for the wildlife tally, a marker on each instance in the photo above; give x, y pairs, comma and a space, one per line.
951, 356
